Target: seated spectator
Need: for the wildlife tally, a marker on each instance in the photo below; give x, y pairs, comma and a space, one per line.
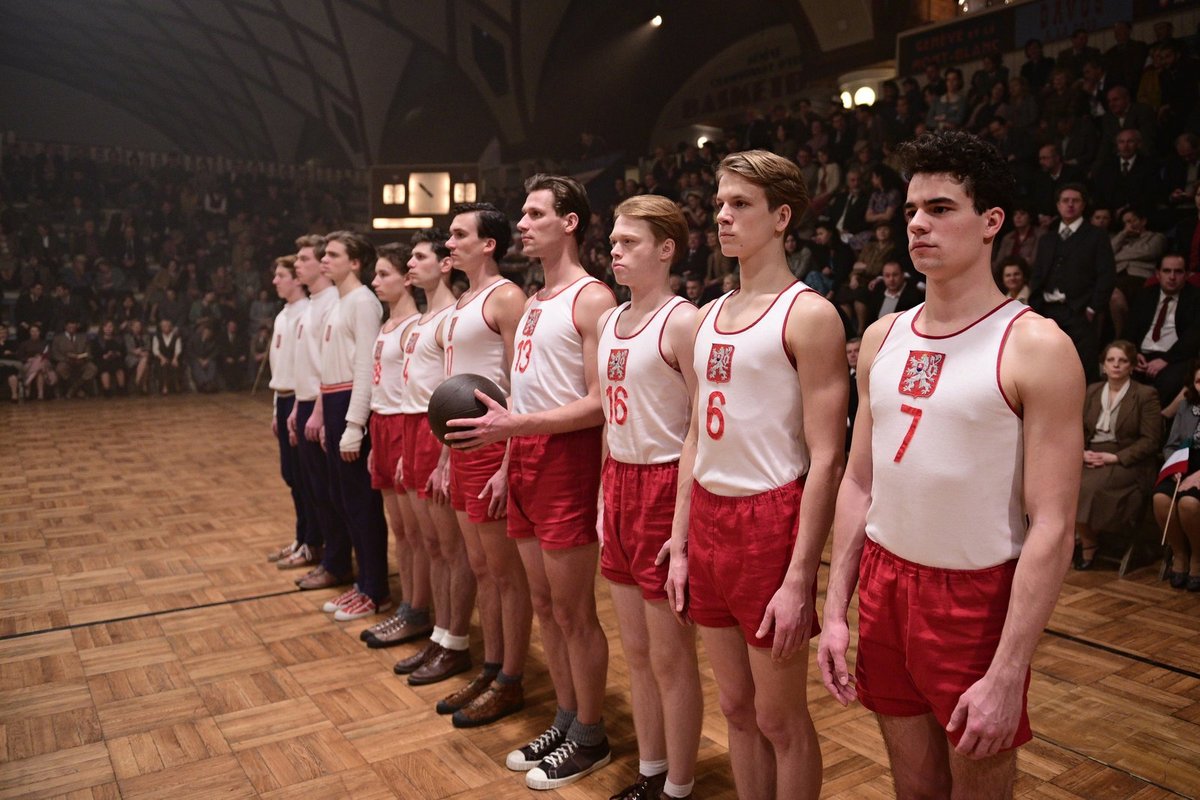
1130, 178
696, 258
693, 288
829, 180
1181, 174
988, 76
1064, 99
1073, 58
1054, 174
1122, 428
1102, 218
33, 308
234, 352
1037, 67
949, 111
799, 259
1183, 533
1077, 141
884, 204
10, 365
718, 264
137, 355
993, 104
1187, 236
847, 210
72, 357
1013, 277
878, 251
1021, 240
1125, 59
1095, 85
1124, 115
205, 310
1164, 323
1022, 105
697, 216
37, 371
166, 348
832, 260
1136, 252
1177, 81
110, 358
894, 292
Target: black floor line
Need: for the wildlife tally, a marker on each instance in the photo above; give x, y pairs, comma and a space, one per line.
1116, 651
1113, 767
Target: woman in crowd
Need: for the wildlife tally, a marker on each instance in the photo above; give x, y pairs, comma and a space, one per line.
1122, 428
1136, 252
34, 355
1183, 534
110, 358
167, 348
1021, 240
1013, 277
1022, 106
203, 352
10, 365
137, 355
883, 206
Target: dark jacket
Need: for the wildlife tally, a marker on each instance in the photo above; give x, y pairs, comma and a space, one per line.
1082, 268
1187, 321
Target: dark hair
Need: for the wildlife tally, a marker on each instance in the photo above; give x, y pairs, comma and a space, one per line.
435, 238
985, 176
1013, 261
395, 254
357, 249
490, 223
1072, 187
569, 198
1189, 388
313, 240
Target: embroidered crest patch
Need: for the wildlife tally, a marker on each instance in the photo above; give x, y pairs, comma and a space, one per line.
921, 373
531, 321
616, 364
720, 363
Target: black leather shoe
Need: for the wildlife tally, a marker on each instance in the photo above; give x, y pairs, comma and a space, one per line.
1178, 580
1193, 583
1086, 557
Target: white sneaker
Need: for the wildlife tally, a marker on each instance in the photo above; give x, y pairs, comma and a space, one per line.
341, 601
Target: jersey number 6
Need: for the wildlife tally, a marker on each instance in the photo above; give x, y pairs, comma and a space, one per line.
714, 418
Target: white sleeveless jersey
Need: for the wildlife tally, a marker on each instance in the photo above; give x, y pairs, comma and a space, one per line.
946, 445
310, 335
645, 399
282, 354
748, 402
424, 363
547, 368
472, 346
387, 374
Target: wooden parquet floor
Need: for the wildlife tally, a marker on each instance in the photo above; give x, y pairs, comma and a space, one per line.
147, 649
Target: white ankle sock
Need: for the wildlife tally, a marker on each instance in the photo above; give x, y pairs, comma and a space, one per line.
452, 642
652, 768
438, 635
677, 790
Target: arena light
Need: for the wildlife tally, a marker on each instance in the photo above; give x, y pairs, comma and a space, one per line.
703, 140
865, 96
397, 223
657, 21
847, 100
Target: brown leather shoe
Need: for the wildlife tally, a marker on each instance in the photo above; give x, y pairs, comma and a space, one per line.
414, 662
463, 697
444, 664
321, 578
497, 702
302, 556
401, 631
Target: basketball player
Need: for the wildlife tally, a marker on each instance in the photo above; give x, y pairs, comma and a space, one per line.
307, 422
757, 479
647, 411
347, 358
411, 620
554, 477
968, 422
446, 653
478, 335
283, 381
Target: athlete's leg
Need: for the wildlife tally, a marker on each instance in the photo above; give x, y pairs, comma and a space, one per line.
673, 659
460, 582
558, 660
919, 755
750, 753
989, 778
512, 589
571, 574
403, 549
643, 683
412, 545
486, 593
781, 710
438, 577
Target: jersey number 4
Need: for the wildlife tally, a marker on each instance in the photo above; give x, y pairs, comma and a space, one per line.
916, 415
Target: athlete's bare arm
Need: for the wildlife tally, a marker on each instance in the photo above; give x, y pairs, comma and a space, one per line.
815, 335
850, 528
1042, 377
438, 484
676, 348
502, 310
499, 423
683, 341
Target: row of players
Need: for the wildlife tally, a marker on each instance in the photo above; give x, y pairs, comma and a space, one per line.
709, 443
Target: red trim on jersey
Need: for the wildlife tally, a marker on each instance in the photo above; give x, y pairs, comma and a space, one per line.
895, 319
485, 293
711, 307
645, 324
1000, 355
783, 331
541, 299
717, 319
956, 333
330, 388
663, 330
428, 315
576, 300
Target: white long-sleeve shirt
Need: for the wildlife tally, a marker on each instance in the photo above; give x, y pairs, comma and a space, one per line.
310, 334
283, 346
348, 352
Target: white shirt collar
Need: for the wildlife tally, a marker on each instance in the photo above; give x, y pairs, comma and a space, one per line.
1073, 227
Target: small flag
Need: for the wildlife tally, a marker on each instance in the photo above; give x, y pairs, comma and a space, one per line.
1176, 464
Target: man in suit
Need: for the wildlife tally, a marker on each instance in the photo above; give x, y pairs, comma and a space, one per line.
1129, 178
1165, 326
1123, 114
72, 357
696, 258
1127, 57
894, 292
1045, 185
847, 210
1073, 275
1075, 56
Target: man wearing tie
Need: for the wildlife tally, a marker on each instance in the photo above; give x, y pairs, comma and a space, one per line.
1073, 275
1129, 178
1165, 326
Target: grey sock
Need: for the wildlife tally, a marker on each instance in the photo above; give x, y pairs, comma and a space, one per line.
505, 679
586, 735
404, 609
418, 616
492, 667
563, 720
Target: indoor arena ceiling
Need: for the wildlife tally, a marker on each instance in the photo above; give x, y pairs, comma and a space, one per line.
364, 81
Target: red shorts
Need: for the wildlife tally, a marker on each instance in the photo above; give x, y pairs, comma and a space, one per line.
639, 505
387, 446
926, 634
553, 486
421, 453
469, 472
739, 549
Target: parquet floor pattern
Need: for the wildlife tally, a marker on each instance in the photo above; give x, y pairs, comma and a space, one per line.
147, 650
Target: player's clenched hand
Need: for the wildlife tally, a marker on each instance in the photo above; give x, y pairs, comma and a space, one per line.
788, 613
398, 478
494, 426
438, 485
677, 585
987, 714
831, 658
497, 487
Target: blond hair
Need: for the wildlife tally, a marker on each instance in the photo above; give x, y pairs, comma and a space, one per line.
779, 178
665, 219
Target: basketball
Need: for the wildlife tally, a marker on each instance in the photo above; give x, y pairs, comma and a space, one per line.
455, 399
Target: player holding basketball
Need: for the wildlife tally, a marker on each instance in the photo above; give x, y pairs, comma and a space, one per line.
411, 620
647, 411
956, 516
478, 336
554, 477
757, 479
346, 366
446, 653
